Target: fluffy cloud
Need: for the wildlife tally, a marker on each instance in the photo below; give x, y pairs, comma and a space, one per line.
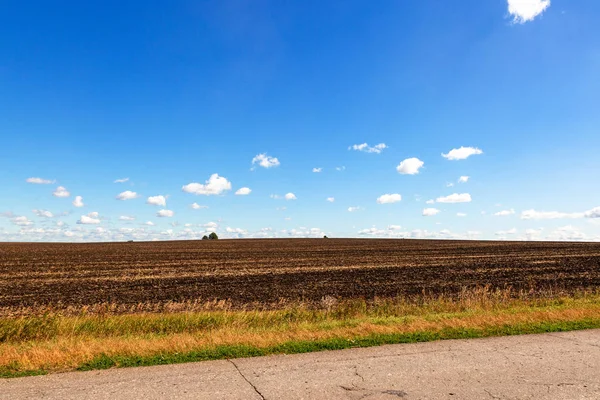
378, 148
410, 166
455, 198
61, 191
43, 213
462, 153
211, 225
526, 10
21, 221
165, 213
40, 181
243, 191
533, 214
89, 219
126, 218
389, 198
504, 213
593, 213
567, 233
317, 169
390, 231
78, 202
342, 168
461, 214
512, 231
238, 231
265, 161
463, 179
353, 209
122, 180
331, 199
159, 200
430, 201
127, 195
429, 212
290, 196
197, 206
149, 223
215, 185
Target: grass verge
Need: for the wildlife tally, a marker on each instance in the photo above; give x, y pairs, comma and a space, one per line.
51, 343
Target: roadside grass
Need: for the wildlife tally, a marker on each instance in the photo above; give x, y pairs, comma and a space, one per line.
54, 342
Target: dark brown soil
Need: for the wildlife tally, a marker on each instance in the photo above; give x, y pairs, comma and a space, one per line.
267, 271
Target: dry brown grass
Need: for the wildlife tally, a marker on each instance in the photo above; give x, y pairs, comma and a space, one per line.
136, 334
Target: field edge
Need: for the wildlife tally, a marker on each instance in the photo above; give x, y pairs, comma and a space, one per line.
222, 352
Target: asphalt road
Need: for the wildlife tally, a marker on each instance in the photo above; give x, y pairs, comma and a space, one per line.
550, 366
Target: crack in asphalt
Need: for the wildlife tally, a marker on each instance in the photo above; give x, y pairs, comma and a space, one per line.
246, 379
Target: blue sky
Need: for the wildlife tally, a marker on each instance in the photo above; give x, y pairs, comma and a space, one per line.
193, 101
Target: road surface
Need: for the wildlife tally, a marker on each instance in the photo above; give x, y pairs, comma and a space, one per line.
550, 366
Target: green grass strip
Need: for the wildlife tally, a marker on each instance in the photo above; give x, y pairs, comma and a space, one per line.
295, 347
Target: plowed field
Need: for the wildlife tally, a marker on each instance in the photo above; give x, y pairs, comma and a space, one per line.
267, 271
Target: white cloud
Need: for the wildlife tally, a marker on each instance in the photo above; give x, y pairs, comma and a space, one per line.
127, 195
21, 221
430, 201
215, 185
533, 234
238, 231
265, 161
159, 200
290, 196
449, 184
342, 168
504, 213
149, 223
243, 191
428, 212
410, 166
317, 169
197, 206
461, 214
455, 198
526, 10
462, 153
40, 181
512, 231
353, 209
533, 214
89, 219
389, 198
463, 179
567, 233
211, 225
126, 218
593, 213
43, 213
122, 180
78, 202
61, 191
378, 148
165, 213
331, 199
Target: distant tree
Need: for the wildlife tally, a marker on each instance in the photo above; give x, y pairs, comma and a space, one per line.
204, 237
213, 236
325, 237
